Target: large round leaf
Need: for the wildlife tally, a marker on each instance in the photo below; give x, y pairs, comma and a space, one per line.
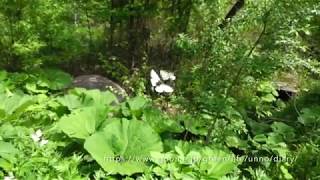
217, 163
131, 141
79, 98
83, 122
14, 105
54, 79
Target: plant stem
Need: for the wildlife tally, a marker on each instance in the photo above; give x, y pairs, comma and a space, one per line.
237, 77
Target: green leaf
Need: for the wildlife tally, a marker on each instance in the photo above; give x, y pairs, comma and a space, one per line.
258, 127
82, 123
3, 75
275, 142
101, 97
131, 141
196, 126
234, 141
157, 120
32, 87
8, 151
220, 165
268, 98
136, 105
8, 131
6, 165
2, 114
72, 101
54, 79
285, 172
198, 161
79, 98
283, 129
14, 105
261, 138
310, 116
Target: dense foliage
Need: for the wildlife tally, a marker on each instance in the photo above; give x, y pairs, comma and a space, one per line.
218, 113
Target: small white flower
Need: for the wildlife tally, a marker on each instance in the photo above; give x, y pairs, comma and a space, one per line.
43, 142
36, 136
163, 88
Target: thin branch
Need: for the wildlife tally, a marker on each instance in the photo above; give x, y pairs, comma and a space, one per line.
237, 76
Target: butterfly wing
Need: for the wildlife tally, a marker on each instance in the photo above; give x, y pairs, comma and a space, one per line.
154, 77
172, 77
165, 75
163, 88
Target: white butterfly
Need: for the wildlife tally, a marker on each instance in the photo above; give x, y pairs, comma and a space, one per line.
163, 88
157, 83
167, 75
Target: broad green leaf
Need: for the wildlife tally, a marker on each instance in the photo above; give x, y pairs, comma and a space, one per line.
217, 163
196, 126
268, 98
14, 105
83, 122
161, 158
234, 141
125, 110
2, 88
258, 127
6, 165
78, 98
101, 97
160, 172
7, 131
283, 129
157, 120
54, 79
8, 151
261, 138
310, 116
132, 141
267, 87
3, 75
72, 101
136, 105
274, 138
193, 157
285, 172
203, 161
32, 87
275, 142
2, 114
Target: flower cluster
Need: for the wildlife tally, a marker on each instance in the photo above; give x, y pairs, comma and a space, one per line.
38, 138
